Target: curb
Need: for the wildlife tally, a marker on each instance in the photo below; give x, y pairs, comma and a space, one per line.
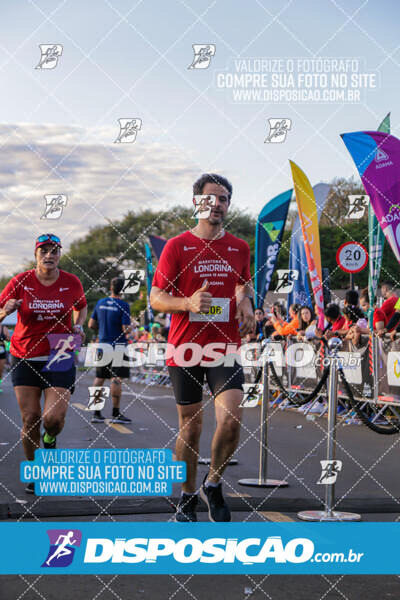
126, 506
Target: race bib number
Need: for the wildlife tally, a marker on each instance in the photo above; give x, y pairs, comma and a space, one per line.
218, 311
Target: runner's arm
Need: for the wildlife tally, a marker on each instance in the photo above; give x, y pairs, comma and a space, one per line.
161, 301
244, 291
93, 324
394, 321
80, 316
245, 313
9, 307
6, 333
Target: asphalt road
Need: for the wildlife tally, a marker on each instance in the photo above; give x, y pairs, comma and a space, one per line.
200, 587
368, 483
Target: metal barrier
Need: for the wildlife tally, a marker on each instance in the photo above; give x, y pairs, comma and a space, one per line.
262, 480
371, 368
328, 514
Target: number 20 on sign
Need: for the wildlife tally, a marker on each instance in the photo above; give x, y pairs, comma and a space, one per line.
352, 257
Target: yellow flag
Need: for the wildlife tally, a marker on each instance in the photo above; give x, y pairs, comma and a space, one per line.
308, 216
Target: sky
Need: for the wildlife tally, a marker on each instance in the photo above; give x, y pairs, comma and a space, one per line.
125, 59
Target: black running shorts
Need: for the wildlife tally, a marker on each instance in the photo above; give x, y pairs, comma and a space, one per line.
29, 372
187, 382
109, 372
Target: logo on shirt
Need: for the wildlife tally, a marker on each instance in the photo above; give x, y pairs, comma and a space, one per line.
42, 305
27, 288
189, 247
230, 249
63, 289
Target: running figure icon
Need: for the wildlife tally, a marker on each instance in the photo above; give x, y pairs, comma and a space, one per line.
65, 347
62, 549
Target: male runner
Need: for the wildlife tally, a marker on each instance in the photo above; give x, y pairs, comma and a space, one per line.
207, 271
112, 317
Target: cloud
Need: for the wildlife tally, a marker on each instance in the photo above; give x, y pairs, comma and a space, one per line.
102, 180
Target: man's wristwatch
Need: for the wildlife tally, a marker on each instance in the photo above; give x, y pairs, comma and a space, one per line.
79, 325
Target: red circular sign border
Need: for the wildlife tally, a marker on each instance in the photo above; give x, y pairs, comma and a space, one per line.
347, 244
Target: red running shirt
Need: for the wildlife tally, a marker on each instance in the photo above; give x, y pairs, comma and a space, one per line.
379, 315
185, 264
44, 309
339, 323
388, 307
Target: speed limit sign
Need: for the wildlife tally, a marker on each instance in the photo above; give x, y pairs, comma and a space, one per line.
352, 257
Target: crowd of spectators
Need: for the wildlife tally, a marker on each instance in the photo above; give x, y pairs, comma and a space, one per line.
347, 320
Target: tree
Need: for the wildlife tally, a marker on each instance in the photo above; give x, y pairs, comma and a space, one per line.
337, 203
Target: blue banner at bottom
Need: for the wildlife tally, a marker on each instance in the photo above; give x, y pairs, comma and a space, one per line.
201, 548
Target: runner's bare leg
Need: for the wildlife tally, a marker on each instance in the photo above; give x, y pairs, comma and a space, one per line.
187, 443
28, 398
56, 401
116, 391
226, 437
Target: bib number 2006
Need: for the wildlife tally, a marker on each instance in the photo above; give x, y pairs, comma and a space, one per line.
218, 311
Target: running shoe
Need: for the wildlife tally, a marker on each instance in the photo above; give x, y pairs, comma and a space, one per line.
30, 488
186, 509
98, 417
48, 441
120, 419
218, 510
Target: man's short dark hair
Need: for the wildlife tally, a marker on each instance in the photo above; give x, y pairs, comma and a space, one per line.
388, 284
352, 297
332, 311
116, 285
198, 185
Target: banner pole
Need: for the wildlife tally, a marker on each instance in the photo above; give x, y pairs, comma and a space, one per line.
328, 514
375, 366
